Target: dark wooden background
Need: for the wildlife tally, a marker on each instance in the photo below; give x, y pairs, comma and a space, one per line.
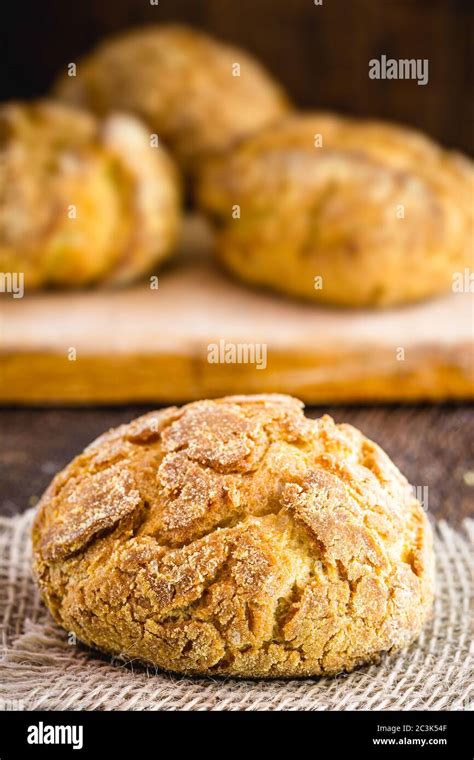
320, 53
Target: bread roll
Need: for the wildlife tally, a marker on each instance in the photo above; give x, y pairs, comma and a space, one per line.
197, 94
236, 537
82, 201
343, 211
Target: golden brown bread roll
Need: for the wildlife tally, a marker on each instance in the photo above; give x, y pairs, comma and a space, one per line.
181, 82
342, 211
82, 201
236, 537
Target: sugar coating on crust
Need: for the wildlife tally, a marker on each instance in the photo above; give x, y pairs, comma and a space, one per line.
236, 537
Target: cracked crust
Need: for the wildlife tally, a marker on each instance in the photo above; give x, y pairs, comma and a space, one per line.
236, 537
180, 82
125, 195
381, 213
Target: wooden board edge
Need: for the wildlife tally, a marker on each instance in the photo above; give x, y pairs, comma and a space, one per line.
357, 376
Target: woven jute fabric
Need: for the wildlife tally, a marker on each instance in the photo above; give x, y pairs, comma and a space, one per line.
42, 668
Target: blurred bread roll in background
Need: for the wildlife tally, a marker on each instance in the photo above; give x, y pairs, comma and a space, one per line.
82, 201
342, 211
197, 94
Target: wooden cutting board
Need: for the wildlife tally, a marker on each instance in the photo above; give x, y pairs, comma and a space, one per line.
154, 345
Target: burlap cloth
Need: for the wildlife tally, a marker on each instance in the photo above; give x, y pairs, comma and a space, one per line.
39, 669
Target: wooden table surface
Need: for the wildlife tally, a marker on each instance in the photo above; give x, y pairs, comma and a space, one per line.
432, 445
